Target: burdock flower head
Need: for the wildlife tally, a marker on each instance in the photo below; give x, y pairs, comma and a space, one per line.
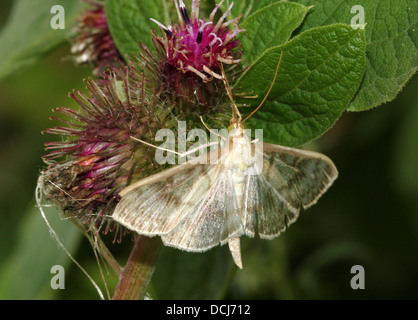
189, 57
98, 156
94, 44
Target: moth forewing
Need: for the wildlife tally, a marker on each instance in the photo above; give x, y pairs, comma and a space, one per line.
213, 221
156, 204
191, 206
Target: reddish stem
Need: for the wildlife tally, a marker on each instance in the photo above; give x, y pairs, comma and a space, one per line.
139, 268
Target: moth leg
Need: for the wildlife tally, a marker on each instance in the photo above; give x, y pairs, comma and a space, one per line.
255, 140
175, 152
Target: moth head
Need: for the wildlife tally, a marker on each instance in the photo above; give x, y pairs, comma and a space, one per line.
236, 128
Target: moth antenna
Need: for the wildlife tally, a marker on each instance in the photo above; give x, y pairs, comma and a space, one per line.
207, 128
235, 111
268, 92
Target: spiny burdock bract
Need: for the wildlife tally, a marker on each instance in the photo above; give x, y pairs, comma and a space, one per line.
186, 62
97, 157
93, 44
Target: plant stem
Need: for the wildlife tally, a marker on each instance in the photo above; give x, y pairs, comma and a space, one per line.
139, 268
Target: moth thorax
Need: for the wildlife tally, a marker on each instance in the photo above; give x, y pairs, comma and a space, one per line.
240, 152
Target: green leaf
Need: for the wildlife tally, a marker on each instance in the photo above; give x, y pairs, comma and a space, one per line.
270, 26
129, 22
28, 34
27, 273
318, 76
245, 7
392, 39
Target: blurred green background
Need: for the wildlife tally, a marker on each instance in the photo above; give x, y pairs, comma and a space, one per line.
369, 217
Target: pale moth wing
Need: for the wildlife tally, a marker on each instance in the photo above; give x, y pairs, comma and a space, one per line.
157, 204
290, 179
213, 221
191, 206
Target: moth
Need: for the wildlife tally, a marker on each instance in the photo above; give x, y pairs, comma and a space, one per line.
200, 204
